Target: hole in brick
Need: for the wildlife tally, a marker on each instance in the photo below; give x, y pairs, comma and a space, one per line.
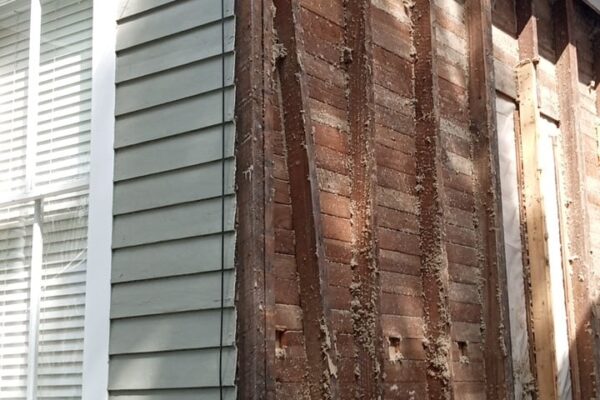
394, 349
280, 344
462, 349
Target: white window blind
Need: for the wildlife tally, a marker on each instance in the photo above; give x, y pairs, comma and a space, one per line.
42, 302
14, 48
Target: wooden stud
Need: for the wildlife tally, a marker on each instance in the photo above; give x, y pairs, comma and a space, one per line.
253, 372
573, 209
366, 289
434, 260
527, 31
536, 232
489, 212
319, 341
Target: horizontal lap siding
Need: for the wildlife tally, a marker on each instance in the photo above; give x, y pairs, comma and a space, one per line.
166, 276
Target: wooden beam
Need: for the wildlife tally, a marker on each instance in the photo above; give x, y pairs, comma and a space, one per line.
573, 210
254, 373
434, 260
525, 258
527, 34
527, 31
543, 326
366, 287
310, 259
482, 107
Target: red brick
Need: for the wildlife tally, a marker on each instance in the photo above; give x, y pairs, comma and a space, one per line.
464, 312
411, 306
332, 10
286, 291
282, 216
336, 228
334, 204
284, 241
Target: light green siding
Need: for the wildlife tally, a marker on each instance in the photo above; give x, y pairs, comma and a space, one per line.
166, 269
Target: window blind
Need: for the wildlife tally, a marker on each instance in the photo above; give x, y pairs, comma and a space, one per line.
14, 48
62, 304
64, 93
61, 157
15, 257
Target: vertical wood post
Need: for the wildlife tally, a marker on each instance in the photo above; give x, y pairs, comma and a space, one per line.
254, 372
434, 260
366, 285
576, 248
536, 232
498, 365
304, 191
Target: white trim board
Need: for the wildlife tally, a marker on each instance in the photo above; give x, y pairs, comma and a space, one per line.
97, 302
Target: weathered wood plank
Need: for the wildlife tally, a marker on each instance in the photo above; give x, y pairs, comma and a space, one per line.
255, 352
366, 289
434, 260
577, 264
304, 190
536, 233
482, 107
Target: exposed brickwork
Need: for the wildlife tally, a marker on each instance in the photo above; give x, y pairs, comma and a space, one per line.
390, 180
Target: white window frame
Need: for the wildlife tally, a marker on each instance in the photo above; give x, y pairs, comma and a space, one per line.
100, 192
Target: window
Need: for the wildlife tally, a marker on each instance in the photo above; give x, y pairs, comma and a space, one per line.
45, 145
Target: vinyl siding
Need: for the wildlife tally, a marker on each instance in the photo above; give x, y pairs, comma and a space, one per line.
166, 278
